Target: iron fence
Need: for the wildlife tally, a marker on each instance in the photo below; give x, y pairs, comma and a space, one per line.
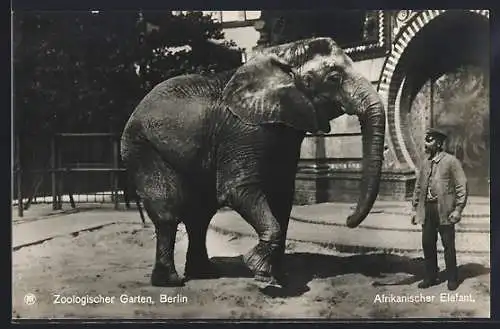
68, 167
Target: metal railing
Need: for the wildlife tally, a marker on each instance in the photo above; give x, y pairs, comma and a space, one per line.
69, 175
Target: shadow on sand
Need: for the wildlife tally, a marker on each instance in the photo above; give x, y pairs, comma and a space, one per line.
302, 268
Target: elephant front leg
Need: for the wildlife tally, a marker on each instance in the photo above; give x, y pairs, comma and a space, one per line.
265, 257
282, 209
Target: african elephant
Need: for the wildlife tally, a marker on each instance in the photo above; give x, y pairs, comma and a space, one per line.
197, 143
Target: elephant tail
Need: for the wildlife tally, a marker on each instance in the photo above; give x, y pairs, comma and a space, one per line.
129, 150
129, 147
130, 192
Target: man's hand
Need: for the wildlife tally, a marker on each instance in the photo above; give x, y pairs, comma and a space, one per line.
414, 217
454, 217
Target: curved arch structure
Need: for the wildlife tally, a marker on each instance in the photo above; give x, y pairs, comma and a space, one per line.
393, 75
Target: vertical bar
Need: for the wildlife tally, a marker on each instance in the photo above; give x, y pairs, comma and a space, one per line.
88, 176
60, 176
20, 206
115, 173
431, 108
111, 173
53, 171
126, 189
321, 167
320, 156
16, 124
70, 192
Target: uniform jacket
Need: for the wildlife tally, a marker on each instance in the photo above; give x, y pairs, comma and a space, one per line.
448, 182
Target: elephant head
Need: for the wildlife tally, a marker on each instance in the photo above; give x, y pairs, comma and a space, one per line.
304, 85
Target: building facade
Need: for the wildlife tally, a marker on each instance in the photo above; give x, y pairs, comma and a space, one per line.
430, 67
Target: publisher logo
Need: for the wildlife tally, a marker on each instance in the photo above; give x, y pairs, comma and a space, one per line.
29, 299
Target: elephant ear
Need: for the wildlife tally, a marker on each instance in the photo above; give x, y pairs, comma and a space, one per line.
264, 91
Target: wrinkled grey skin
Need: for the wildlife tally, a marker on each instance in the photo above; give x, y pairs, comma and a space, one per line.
195, 144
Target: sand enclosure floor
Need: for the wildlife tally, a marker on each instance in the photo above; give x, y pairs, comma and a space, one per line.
116, 261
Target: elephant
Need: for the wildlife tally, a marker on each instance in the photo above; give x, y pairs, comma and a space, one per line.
198, 143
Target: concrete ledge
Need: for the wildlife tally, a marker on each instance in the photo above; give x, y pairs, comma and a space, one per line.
39, 230
42, 239
360, 239
387, 228
387, 216
401, 227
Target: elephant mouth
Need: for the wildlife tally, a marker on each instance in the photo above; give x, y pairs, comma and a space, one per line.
327, 110
333, 109
324, 127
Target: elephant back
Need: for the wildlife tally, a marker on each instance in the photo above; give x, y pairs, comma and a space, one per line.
173, 117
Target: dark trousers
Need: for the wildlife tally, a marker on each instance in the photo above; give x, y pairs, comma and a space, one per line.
430, 231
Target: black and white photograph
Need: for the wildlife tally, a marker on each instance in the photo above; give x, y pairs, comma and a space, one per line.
251, 165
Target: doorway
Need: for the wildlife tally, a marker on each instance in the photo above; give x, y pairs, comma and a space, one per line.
457, 101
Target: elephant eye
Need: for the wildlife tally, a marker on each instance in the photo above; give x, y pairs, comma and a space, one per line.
334, 78
308, 80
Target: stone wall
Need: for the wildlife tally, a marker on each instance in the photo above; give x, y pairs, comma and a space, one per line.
343, 186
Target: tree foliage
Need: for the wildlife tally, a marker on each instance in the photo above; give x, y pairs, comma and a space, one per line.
83, 71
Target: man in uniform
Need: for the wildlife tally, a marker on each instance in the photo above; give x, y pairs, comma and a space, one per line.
438, 201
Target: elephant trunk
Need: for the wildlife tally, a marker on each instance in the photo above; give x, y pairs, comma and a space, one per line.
372, 119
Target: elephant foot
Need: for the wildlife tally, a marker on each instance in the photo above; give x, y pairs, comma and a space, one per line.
259, 261
266, 280
206, 270
165, 277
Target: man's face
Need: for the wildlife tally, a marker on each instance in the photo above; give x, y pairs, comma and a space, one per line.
430, 144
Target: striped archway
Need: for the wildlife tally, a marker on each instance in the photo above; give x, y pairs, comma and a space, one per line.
392, 77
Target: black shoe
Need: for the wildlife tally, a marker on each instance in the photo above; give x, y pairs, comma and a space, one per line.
427, 283
452, 285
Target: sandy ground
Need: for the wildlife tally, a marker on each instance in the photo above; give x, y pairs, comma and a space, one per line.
117, 260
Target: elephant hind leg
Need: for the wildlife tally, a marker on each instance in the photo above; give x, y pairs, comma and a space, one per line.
198, 265
164, 273
161, 190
